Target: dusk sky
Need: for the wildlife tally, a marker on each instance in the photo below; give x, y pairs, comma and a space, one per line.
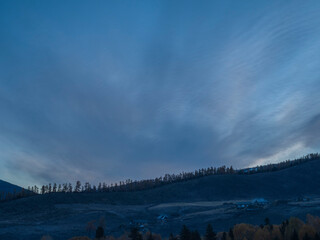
111, 90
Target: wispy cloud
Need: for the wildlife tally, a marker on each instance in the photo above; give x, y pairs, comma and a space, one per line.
131, 90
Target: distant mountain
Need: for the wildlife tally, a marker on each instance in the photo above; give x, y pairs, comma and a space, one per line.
6, 187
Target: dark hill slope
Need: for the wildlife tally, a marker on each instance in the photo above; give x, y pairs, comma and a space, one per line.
6, 187
300, 180
60, 215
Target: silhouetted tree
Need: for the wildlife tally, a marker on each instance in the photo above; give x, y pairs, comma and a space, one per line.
171, 237
54, 188
185, 233
266, 221
87, 187
195, 235
65, 187
306, 237
231, 235
283, 227
77, 188
210, 234
224, 236
294, 235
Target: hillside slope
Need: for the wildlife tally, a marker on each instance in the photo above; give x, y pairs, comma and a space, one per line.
292, 182
194, 202
6, 187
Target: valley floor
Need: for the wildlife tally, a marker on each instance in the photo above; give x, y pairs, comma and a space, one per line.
66, 220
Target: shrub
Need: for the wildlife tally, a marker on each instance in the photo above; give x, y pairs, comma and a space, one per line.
243, 230
307, 229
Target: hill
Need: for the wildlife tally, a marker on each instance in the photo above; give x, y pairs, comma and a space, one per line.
6, 187
291, 182
292, 191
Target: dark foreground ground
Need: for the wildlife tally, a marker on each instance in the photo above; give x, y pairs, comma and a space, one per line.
214, 199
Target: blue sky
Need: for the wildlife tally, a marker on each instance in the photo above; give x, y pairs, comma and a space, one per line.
111, 90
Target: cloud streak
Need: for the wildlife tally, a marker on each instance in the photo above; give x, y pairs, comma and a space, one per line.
131, 90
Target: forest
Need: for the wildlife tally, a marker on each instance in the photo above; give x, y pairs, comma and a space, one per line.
134, 185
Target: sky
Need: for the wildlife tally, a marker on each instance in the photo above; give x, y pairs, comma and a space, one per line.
125, 89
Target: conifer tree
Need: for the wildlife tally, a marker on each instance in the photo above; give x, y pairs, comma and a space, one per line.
210, 234
231, 235
77, 188
54, 188
65, 187
224, 236
295, 235
266, 221
171, 237
283, 227
185, 233
306, 237
195, 235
